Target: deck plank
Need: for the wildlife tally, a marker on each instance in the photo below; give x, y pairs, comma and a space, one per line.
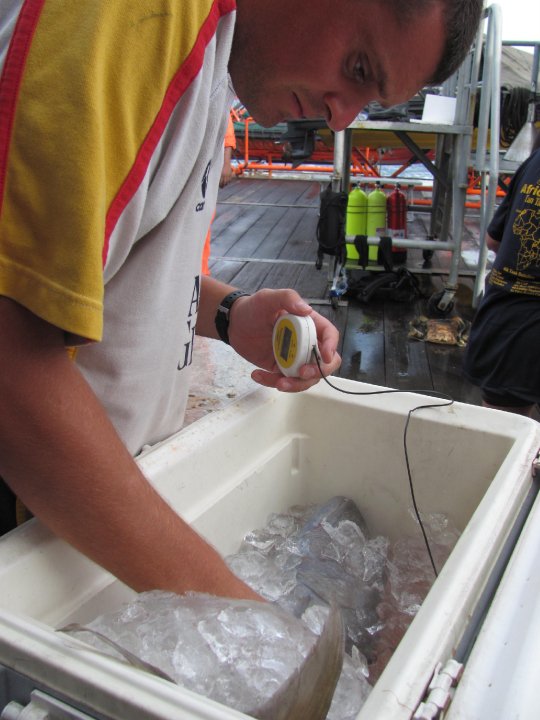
278, 236
407, 364
363, 352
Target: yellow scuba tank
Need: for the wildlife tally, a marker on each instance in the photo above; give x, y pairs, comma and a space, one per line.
356, 218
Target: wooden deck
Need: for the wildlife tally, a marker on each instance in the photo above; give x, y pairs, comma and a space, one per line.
264, 236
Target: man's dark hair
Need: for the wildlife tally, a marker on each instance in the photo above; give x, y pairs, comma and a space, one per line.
461, 20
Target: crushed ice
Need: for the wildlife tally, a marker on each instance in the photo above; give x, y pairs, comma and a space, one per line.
239, 653
309, 555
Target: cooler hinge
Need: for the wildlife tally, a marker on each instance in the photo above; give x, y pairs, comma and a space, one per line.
535, 470
42, 707
440, 690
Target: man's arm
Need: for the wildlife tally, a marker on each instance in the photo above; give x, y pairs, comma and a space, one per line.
60, 454
227, 172
230, 145
492, 244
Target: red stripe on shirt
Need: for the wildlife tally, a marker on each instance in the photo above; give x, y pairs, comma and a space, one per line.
177, 87
11, 79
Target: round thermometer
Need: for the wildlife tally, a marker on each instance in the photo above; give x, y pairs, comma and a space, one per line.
293, 340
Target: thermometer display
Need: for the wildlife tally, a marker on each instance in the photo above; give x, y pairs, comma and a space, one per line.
293, 340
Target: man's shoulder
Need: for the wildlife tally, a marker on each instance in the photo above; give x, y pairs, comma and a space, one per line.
529, 171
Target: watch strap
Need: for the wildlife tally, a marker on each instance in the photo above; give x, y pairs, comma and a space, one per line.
222, 315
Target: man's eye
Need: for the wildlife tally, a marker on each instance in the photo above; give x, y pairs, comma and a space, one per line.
359, 72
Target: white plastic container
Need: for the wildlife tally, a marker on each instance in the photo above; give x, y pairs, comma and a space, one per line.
439, 109
259, 455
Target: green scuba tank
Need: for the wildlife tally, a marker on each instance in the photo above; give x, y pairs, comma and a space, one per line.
356, 218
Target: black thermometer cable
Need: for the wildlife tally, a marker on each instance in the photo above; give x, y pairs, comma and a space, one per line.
441, 396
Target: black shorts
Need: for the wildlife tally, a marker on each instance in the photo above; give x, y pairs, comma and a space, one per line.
8, 508
502, 399
502, 351
12, 511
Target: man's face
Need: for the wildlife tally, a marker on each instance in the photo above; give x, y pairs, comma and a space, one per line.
331, 61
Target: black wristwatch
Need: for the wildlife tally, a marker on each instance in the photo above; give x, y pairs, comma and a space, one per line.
222, 315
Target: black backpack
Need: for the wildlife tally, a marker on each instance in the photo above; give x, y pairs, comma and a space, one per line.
398, 285
331, 225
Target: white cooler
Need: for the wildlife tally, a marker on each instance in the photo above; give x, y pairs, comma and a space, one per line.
261, 454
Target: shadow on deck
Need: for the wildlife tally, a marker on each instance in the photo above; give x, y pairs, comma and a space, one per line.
264, 236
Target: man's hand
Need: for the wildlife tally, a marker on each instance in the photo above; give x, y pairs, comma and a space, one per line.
227, 172
251, 323
492, 244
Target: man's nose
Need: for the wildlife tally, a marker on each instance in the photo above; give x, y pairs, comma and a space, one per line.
341, 110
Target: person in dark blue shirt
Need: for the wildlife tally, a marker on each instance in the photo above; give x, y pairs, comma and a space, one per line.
502, 353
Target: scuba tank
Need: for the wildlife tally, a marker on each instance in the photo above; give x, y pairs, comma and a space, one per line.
356, 212
376, 217
396, 220
356, 218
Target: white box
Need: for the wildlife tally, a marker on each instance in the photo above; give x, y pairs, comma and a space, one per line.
259, 455
439, 110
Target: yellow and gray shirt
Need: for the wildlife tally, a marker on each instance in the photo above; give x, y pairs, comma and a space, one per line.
112, 118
